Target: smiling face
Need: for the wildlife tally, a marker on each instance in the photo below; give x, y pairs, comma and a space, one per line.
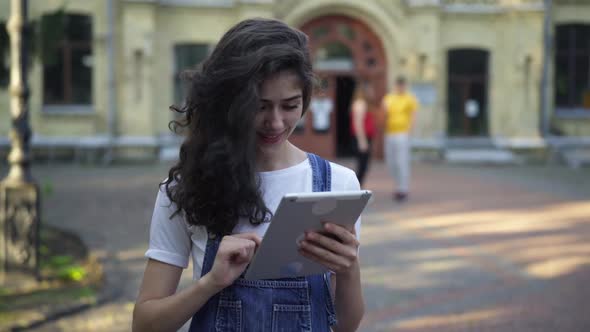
281, 106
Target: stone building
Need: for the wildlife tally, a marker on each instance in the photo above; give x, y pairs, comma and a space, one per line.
104, 72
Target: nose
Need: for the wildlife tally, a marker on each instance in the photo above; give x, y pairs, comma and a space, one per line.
273, 119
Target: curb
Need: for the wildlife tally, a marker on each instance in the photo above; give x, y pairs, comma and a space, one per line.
68, 311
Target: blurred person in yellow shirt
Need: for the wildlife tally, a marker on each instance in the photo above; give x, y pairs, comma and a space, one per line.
399, 107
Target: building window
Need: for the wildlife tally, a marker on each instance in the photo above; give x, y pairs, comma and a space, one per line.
4, 49
467, 92
320, 32
67, 59
346, 31
572, 67
334, 56
186, 56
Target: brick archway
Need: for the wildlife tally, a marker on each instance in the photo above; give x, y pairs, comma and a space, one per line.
368, 64
366, 47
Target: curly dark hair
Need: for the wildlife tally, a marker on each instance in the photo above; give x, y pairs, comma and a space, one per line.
214, 183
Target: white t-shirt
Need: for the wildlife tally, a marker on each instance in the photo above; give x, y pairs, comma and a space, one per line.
321, 109
173, 240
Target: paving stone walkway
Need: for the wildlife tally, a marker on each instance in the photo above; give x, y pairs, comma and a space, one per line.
474, 249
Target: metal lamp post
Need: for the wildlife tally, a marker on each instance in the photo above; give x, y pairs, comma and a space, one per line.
19, 194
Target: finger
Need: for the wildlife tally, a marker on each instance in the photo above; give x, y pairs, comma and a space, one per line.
324, 256
237, 248
346, 235
249, 236
326, 240
348, 251
243, 255
330, 265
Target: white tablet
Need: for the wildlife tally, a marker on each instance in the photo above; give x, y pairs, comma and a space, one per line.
278, 256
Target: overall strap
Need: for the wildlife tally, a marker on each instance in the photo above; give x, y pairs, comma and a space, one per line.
210, 252
321, 173
320, 283
205, 317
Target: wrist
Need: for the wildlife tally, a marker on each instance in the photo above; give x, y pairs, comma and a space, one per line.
353, 272
209, 285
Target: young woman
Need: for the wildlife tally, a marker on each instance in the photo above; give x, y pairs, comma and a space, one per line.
362, 128
235, 165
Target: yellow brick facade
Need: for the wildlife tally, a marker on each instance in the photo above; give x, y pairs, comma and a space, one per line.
416, 37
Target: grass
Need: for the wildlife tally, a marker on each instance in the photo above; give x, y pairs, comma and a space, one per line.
68, 278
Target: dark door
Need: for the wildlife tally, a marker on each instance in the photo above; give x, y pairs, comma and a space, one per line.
344, 90
467, 92
344, 50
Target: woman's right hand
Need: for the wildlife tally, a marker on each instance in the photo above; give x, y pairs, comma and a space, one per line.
233, 256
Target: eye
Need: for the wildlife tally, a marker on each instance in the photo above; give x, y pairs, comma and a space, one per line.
290, 107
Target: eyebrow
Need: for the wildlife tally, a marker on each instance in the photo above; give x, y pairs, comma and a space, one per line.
283, 100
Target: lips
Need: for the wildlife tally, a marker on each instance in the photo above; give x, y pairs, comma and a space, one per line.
270, 138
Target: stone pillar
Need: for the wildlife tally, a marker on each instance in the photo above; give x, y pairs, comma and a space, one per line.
19, 194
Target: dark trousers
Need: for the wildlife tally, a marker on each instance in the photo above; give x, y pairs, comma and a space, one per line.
362, 160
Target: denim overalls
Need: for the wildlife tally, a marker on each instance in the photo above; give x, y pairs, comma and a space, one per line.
290, 304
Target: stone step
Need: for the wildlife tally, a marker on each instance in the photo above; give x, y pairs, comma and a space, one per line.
478, 143
483, 156
169, 153
576, 157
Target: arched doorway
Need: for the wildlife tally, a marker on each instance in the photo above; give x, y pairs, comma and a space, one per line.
345, 51
467, 92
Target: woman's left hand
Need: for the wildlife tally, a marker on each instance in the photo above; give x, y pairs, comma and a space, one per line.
335, 247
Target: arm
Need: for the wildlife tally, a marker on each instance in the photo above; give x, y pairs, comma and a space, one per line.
159, 308
342, 258
348, 299
359, 108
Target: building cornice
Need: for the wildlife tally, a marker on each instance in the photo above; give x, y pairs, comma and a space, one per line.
203, 3
478, 6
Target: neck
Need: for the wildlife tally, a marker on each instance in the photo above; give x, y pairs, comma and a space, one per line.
289, 155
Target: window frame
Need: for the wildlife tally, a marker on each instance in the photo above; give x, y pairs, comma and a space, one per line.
572, 108
65, 49
4, 57
177, 81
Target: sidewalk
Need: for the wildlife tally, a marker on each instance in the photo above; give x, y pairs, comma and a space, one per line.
474, 249
489, 249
